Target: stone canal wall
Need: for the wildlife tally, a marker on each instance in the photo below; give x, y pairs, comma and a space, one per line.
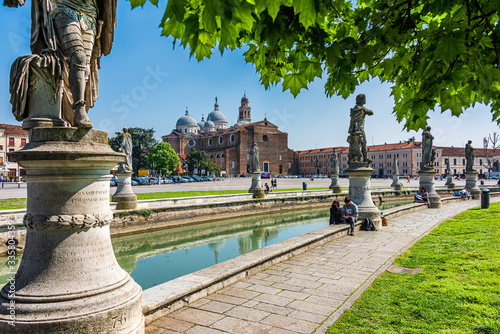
167, 213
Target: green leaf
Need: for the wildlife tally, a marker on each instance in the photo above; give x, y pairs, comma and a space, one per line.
333, 54
310, 70
294, 82
451, 46
175, 8
137, 3
365, 55
243, 15
306, 11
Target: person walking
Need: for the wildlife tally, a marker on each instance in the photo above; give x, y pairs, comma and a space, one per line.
351, 213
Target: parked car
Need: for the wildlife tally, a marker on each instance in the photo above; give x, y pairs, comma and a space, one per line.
265, 175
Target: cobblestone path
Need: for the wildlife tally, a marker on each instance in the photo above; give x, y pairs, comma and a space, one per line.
307, 293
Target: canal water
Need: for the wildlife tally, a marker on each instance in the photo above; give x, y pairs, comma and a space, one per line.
153, 258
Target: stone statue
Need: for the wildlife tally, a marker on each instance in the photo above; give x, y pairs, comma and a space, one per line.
126, 147
68, 38
448, 168
334, 162
357, 136
255, 158
469, 157
427, 158
396, 167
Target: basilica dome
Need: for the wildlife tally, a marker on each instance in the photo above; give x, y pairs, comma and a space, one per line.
186, 120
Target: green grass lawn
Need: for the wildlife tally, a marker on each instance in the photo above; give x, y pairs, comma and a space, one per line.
12, 203
457, 292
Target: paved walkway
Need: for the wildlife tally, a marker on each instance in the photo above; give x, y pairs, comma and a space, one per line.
306, 293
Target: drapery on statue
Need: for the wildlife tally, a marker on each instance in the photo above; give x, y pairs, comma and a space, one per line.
68, 38
126, 147
357, 136
469, 157
427, 154
396, 167
334, 163
255, 158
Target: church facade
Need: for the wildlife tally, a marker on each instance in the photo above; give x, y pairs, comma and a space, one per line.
230, 147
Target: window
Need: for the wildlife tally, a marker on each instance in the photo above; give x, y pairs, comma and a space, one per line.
209, 141
373, 165
11, 150
405, 164
11, 141
223, 155
191, 142
344, 159
1, 160
436, 163
220, 140
437, 154
231, 138
264, 138
372, 157
266, 167
281, 157
389, 164
480, 162
218, 156
23, 142
1, 147
396, 155
405, 171
405, 155
344, 166
381, 156
418, 163
232, 164
389, 171
211, 156
389, 156
419, 154
381, 165
463, 161
455, 163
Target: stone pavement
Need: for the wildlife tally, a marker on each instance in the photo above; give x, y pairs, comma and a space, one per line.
306, 293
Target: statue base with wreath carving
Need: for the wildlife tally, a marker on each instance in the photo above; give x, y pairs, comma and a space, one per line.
256, 187
69, 280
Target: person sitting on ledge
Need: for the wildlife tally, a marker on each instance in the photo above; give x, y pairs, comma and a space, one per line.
266, 188
337, 215
464, 193
424, 197
351, 213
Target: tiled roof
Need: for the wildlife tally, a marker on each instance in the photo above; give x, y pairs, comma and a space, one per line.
339, 149
460, 152
13, 129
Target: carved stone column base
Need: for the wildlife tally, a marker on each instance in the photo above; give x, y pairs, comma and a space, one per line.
427, 181
396, 184
449, 182
69, 280
360, 192
471, 183
256, 187
124, 194
42, 122
335, 186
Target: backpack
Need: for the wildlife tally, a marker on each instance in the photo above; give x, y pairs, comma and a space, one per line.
368, 225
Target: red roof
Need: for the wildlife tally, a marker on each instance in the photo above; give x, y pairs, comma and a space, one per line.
13, 129
460, 152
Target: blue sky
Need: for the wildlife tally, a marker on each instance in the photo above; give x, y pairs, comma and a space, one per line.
145, 83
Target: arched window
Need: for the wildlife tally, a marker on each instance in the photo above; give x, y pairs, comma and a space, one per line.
220, 140
209, 141
218, 156
264, 138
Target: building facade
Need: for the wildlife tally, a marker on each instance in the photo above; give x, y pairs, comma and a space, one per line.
230, 148
12, 138
457, 160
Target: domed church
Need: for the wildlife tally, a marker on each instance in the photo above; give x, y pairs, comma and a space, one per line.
231, 148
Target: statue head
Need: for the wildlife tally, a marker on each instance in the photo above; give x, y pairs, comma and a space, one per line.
360, 99
427, 128
125, 130
469, 142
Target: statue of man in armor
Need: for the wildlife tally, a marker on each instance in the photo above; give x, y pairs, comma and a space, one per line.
68, 38
357, 127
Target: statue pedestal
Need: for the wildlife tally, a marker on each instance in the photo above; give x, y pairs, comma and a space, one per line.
427, 182
360, 192
395, 182
335, 186
449, 182
124, 194
256, 187
471, 183
69, 280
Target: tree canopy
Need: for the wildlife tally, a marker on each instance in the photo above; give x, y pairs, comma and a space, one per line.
163, 158
143, 142
435, 53
197, 160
